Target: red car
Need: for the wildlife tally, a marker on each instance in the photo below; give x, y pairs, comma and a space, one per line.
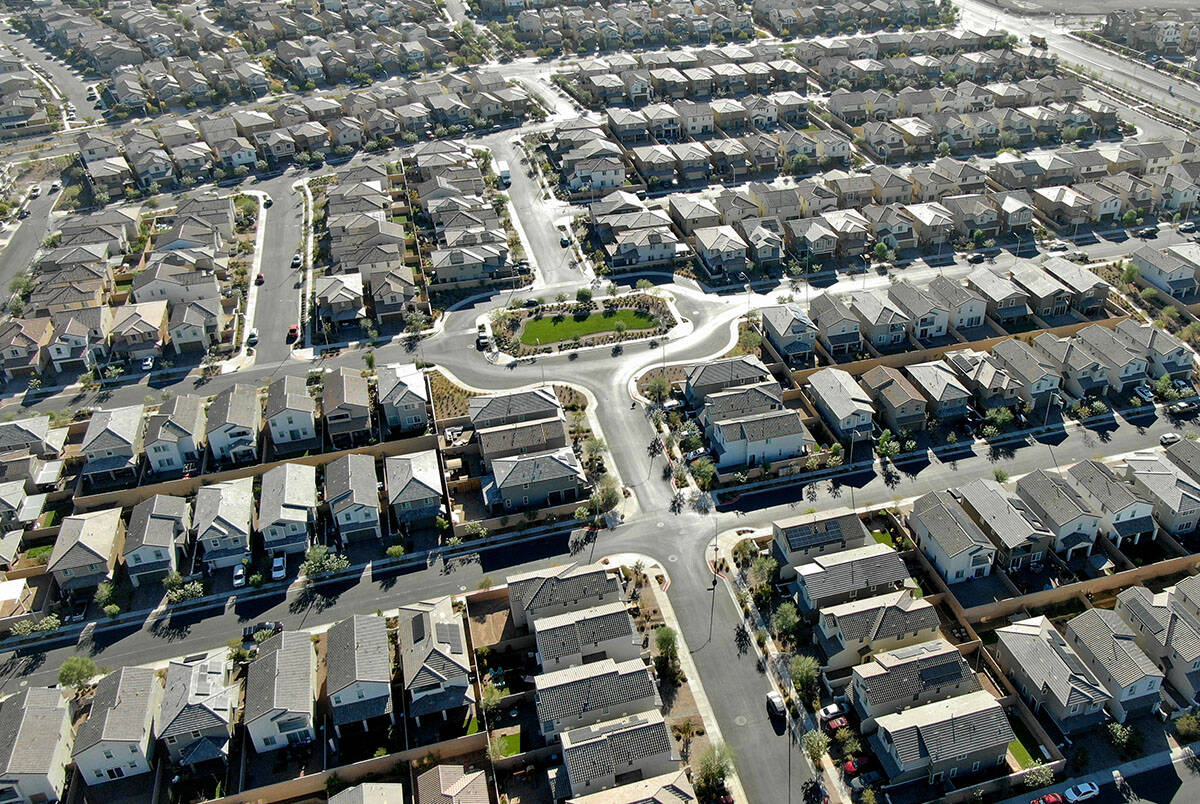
258, 280
856, 764
837, 723
293, 332
1049, 798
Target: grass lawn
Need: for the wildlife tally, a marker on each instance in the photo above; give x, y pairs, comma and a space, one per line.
551, 330
883, 537
509, 744
1025, 747
472, 725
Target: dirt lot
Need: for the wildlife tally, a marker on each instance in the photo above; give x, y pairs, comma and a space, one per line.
1093, 7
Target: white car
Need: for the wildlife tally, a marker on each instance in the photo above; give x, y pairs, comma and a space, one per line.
148, 364
831, 711
278, 568
239, 576
1167, 439
1081, 792
775, 703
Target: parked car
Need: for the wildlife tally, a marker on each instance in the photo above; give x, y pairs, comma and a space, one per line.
1144, 393
831, 711
1057, 246
1187, 227
1181, 408
695, 454
865, 780
1183, 385
1167, 439
564, 241
268, 202
296, 260
252, 338
258, 280
148, 364
1081, 792
1149, 231
36, 191
775, 703
1049, 798
293, 332
239, 576
278, 568
976, 257
482, 342
856, 764
55, 186
838, 723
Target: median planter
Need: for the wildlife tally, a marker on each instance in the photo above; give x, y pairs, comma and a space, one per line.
565, 325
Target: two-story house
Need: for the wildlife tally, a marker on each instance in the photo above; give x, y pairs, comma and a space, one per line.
117, 739
580, 696
174, 438
157, 532
1126, 515
290, 414
286, 504
352, 494
234, 420
1107, 645
844, 405
281, 688
86, 550
414, 486
907, 677
223, 520
358, 675
954, 544
196, 719
434, 659
403, 397
848, 633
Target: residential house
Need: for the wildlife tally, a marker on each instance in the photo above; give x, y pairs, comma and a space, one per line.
1037, 378
845, 406
585, 635
195, 721
358, 671
1011, 525
954, 544
908, 677
1082, 372
290, 414
949, 399
601, 756
112, 444
1167, 271
1166, 628
157, 532
1006, 303
860, 572
560, 590
901, 405
802, 538
790, 331
1088, 291
34, 758
581, 696
434, 659
882, 322
414, 486
223, 521
1126, 367
280, 693
718, 375
929, 742
985, 377
1165, 353
758, 438
1063, 510
1048, 298
352, 494
346, 406
86, 550
451, 784
1108, 647
928, 316
837, 327
541, 479
1126, 515
403, 397
1174, 494
174, 435
234, 419
117, 738
850, 632
286, 503
1050, 675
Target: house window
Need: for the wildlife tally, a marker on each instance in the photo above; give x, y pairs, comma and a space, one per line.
268, 741
108, 754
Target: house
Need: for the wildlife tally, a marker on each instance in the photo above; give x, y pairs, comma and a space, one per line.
907, 677
581, 696
601, 756
113, 444
414, 486
451, 784
346, 405
174, 437
158, 530
721, 249
899, 402
759, 438
1048, 298
196, 719
717, 375
837, 328
929, 318
670, 788
1006, 519
963, 734
850, 632
1062, 510
1165, 354
223, 521
376, 792
1108, 647
434, 659
1166, 271
195, 326
117, 739
845, 406
541, 479
234, 419
358, 675
791, 332
1165, 627
1006, 303
290, 414
985, 377
32, 435
86, 549
1126, 515
403, 397
560, 590
352, 494
1126, 367
280, 694
1050, 675
1037, 378
951, 540
949, 399
882, 322
21, 347
286, 502
866, 571
1174, 494
585, 635
37, 749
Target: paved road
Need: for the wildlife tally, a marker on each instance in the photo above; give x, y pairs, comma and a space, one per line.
70, 82
27, 239
278, 299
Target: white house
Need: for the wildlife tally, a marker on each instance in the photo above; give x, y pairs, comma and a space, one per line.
116, 739
403, 397
280, 691
358, 663
286, 502
36, 723
223, 521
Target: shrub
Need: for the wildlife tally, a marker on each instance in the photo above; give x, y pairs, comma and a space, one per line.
395, 551
112, 610
76, 671
816, 744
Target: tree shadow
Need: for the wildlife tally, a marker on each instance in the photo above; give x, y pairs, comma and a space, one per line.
311, 599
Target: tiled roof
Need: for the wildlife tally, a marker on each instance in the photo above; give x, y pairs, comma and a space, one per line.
1050, 663
567, 634
840, 574
120, 709
906, 674
606, 749
597, 686
1110, 645
937, 732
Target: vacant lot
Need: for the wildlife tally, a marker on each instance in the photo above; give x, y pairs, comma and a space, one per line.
552, 330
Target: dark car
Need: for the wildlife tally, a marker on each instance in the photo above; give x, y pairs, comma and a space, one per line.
865, 780
268, 202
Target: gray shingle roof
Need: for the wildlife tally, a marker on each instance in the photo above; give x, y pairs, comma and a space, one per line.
517, 470
237, 405
1051, 498
288, 494
808, 531
281, 677
85, 539
1007, 516
567, 634
489, 411
763, 426
31, 725
881, 617
574, 691
728, 371
1113, 494
1101, 636
452, 784
1050, 662
937, 382
840, 393
600, 751
351, 480
156, 522
948, 523
120, 709
196, 697
177, 418
414, 477
840, 574
561, 587
357, 649
432, 643
743, 401
907, 673
289, 393
938, 732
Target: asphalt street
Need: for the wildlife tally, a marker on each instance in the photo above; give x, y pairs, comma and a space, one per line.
27, 239
278, 299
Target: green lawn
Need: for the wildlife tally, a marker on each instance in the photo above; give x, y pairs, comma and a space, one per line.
1025, 747
509, 744
883, 537
551, 330
472, 725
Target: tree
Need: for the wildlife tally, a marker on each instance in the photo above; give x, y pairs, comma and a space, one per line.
476, 530
1130, 217
999, 475
659, 388
593, 447
644, 284
583, 296
416, 321
804, 671
705, 473
750, 340
485, 583
762, 571
666, 641
320, 560
712, 766
816, 744
785, 619
1188, 727
1039, 776
882, 251
489, 698
369, 359
77, 671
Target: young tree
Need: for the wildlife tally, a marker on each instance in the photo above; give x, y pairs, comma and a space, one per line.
882, 251
712, 766
816, 744
76, 671
785, 619
1039, 776
659, 388
762, 571
666, 641
804, 671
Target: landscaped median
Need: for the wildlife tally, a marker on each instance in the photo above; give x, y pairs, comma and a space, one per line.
564, 325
